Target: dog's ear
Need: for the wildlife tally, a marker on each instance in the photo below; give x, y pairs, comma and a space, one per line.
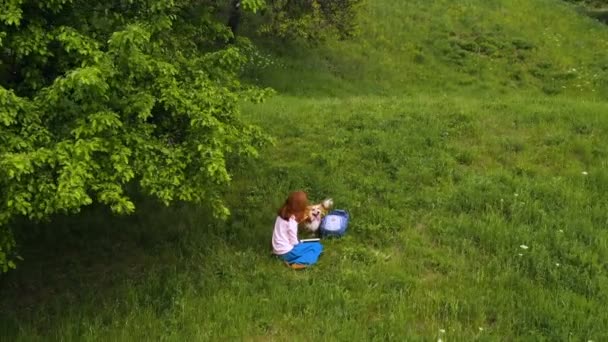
328, 203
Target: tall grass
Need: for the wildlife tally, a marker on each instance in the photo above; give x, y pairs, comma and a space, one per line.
477, 199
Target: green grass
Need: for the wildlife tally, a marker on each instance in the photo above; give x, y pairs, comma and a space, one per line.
446, 171
442, 46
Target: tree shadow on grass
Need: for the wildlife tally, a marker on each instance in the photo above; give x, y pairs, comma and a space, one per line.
599, 14
91, 260
88, 250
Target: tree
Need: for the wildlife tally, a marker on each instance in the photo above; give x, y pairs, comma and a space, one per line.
311, 20
235, 18
97, 95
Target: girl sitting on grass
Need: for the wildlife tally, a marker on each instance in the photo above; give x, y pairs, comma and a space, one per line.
285, 243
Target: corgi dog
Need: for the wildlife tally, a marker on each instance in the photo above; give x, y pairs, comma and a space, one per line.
315, 213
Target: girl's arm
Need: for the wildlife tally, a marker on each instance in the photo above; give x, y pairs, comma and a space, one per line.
292, 231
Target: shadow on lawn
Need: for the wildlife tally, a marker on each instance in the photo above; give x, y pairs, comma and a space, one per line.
95, 258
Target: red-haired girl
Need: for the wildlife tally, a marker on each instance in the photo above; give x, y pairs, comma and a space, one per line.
285, 241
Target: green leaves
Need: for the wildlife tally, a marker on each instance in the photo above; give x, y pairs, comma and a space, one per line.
135, 36
10, 12
72, 40
106, 94
253, 5
10, 105
97, 123
312, 21
7, 245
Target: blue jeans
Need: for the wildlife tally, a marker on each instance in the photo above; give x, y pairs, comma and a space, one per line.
304, 253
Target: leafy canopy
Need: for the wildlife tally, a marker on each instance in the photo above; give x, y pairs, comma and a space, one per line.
97, 95
311, 20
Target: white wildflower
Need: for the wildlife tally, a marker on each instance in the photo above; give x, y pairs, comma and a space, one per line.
520, 254
516, 194
585, 173
442, 331
523, 247
480, 329
561, 230
557, 264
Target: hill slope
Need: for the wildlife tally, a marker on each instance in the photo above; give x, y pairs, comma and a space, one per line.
466, 138
478, 47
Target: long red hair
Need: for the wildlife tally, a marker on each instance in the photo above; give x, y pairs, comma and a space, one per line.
295, 205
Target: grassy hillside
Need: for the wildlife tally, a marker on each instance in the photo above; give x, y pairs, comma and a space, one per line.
466, 138
474, 47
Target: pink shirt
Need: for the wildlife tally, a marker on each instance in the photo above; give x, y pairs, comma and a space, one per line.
284, 236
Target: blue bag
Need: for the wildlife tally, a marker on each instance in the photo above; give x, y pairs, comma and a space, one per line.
334, 224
